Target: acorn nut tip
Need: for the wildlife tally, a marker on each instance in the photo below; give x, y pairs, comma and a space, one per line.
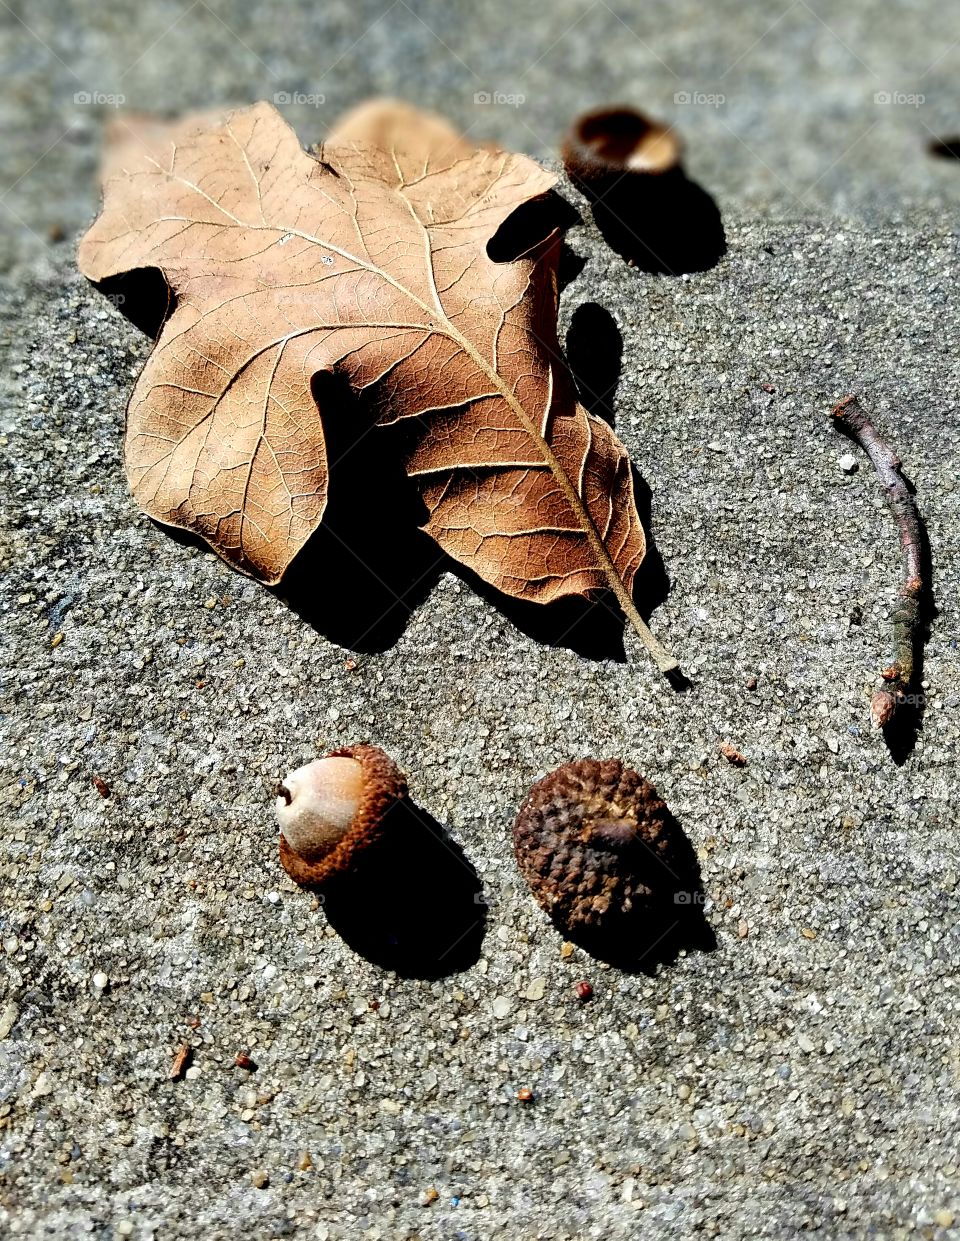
333, 808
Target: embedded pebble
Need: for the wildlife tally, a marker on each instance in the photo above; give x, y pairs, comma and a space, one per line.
8, 1019
536, 989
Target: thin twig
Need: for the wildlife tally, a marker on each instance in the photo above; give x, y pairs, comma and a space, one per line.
907, 614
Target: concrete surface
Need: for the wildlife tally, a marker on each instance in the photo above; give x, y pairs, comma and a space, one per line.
802, 1076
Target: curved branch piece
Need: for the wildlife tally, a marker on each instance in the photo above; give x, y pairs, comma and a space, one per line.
907, 615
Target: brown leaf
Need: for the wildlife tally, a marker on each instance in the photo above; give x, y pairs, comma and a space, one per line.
128, 135
371, 263
392, 123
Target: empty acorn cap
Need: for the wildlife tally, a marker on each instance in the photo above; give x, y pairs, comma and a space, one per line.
593, 842
332, 809
617, 140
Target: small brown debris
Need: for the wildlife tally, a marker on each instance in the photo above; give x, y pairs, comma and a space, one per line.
808, 933
751, 683
260, 1179
193, 1021
243, 1061
350, 665
732, 754
56, 640
583, 990
101, 786
181, 1062
524, 1095
305, 1162
768, 387
430, 1196
743, 930
55, 233
566, 950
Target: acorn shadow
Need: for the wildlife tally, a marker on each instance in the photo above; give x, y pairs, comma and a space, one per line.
666, 225
413, 904
669, 922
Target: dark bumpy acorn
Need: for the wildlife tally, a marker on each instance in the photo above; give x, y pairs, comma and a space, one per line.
333, 808
593, 841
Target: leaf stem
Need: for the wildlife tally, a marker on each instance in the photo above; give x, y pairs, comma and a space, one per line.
666, 662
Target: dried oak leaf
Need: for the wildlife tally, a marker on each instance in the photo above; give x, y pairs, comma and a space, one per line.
370, 263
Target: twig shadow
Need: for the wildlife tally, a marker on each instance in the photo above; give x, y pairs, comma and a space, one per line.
414, 903
900, 735
669, 923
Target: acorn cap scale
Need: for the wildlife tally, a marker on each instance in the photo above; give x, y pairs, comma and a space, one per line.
332, 809
593, 841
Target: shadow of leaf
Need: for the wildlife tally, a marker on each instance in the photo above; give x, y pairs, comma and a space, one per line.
368, 565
